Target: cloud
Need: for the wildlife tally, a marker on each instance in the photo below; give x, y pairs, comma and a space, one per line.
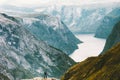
28, 3
39, 9
82, 2
2, 2
33, 3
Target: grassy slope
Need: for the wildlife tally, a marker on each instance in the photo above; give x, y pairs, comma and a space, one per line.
103, 67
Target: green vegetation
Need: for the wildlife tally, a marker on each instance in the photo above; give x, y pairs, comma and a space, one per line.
103, 67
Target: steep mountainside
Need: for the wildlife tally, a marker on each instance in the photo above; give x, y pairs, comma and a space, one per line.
113, 38
79, 20
24, 56
51, 30
103, 67
107, 24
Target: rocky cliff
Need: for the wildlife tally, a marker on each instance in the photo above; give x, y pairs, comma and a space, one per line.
52, 31
22, 55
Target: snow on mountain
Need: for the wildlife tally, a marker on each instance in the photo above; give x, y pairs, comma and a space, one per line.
24, 56
107, 23
51, 30
79, 19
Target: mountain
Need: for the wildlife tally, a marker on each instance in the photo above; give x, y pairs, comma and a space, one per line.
103, 67
22, 55
113, 38
79, 19
51, 30
107, 24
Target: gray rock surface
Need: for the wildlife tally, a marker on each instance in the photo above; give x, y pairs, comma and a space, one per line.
24, 56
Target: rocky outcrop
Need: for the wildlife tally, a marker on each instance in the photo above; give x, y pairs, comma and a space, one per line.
52, 31
22, 55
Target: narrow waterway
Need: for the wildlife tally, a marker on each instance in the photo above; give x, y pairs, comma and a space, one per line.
91, 46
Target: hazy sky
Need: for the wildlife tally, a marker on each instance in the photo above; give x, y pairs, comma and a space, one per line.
31, 3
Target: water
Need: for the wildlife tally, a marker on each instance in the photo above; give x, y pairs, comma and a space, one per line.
91, 46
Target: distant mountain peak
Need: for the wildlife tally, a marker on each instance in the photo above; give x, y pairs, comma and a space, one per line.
53, 31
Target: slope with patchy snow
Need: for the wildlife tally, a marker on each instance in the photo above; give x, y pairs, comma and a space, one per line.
24, 56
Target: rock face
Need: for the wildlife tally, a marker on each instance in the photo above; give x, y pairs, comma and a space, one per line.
103, 67
107, 24
79, 20
113, 38
24, 56
53, 31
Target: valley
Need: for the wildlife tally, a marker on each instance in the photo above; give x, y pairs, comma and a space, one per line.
59, 40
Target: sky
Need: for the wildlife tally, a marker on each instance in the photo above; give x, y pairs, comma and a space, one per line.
33, 3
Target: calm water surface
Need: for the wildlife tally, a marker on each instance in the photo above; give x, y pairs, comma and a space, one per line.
91, 46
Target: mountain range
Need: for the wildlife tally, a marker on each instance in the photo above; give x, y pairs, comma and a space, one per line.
35, 43
79, 19
51, 30
22, 55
